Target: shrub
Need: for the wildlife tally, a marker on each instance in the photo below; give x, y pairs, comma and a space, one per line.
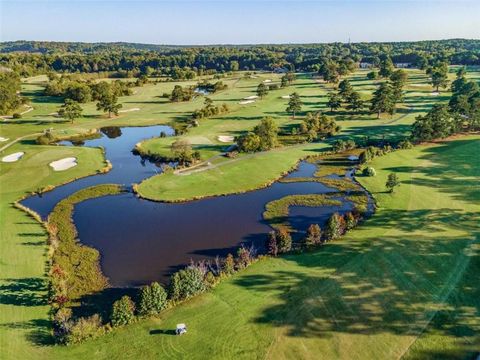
17, 116
284, 240
62, 324
341, 145
369, 171
210, 280
186, 283
271, 245
335, 227
85, 328
228, 266
245, 256
123, 311
153, 299
350, 221
313, 236
405, 144
231, 154
392, 182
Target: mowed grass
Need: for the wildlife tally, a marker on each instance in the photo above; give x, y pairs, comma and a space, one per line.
23, 311
24, 321
404, 284
251, 171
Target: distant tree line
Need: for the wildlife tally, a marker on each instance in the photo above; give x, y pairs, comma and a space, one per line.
29, 58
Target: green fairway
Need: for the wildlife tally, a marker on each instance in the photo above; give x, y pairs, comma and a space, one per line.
236, 176
24, 321
402, 284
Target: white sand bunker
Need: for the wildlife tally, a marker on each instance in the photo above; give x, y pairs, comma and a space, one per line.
2, 139
286, 97
252, 97
267, 81
435, 93
246, 102
225, 138
64, 164
128, 110
13, 157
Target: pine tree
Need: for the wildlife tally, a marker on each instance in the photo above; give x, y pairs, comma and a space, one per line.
123, 311
383, 100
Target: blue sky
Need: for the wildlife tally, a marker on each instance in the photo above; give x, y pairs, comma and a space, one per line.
238, 22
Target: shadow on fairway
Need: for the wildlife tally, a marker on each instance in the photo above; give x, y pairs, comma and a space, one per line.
162, 332
23, 292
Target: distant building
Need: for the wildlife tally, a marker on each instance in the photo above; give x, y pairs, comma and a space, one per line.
365, 65
403, 65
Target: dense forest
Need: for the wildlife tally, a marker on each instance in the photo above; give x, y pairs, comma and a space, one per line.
185, 62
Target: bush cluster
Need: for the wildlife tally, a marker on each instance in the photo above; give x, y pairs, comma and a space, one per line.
85, 91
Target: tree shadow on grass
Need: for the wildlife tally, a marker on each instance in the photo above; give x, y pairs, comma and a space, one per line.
448, 170
387, 284
39, 331
23, 292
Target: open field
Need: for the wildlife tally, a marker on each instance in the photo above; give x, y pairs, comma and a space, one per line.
368, 295
403, 284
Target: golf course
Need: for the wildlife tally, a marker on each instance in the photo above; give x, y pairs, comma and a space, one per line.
402, 283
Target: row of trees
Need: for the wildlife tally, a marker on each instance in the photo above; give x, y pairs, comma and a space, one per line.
85, 91
152, 299
279, 241
461, 114
384, 100
210, 110
187, 62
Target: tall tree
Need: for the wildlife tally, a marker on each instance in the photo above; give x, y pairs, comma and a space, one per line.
439, 76
355, 102
383, 100
438, 123
334, 101
70, 110
108, 103
345, 89
386, 67
182, 151
294, 104
267, 131
262, 90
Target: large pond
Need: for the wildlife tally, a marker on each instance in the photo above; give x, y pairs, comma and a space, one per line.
141, 241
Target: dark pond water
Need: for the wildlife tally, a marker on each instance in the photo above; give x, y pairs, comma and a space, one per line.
127, 168
141, 241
